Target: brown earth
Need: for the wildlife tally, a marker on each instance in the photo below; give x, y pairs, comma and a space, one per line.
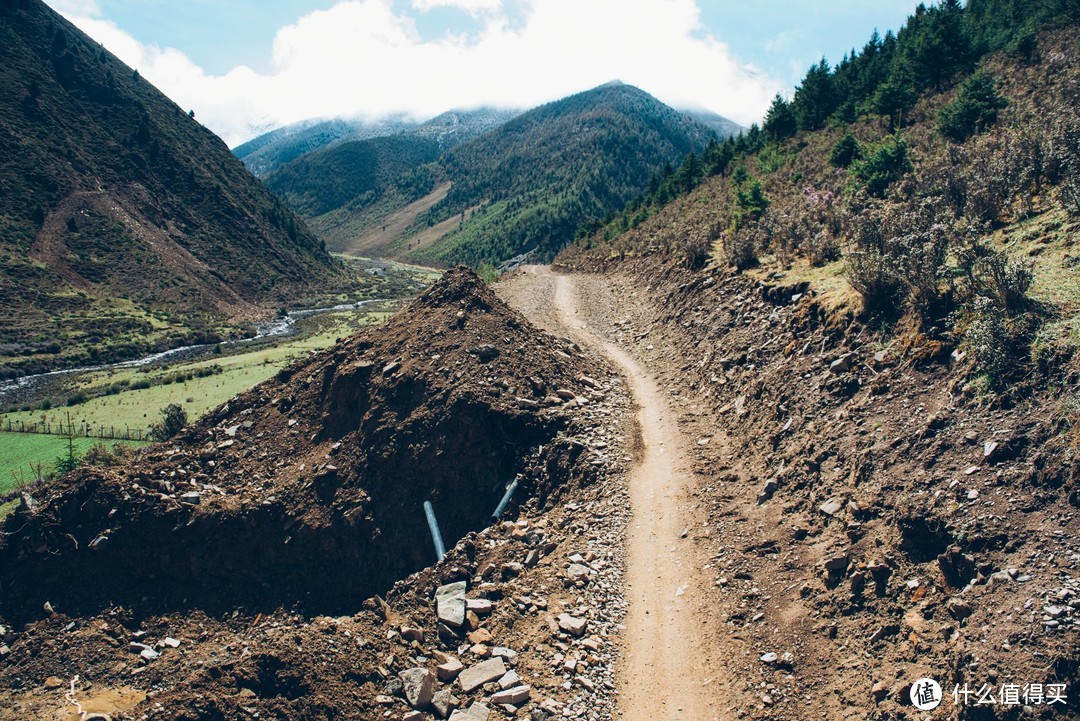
873, 517
856, 519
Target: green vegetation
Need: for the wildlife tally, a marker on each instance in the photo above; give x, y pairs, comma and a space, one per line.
21, 454
974, 110
137, 399
136, 396
948, 236
173, 420
882, 164
133, 229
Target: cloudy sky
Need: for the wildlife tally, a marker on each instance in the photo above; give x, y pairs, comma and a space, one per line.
246, 66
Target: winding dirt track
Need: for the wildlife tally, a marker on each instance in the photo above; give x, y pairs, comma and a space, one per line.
665, 670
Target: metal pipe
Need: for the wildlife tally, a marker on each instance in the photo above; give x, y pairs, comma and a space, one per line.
436, 534
501, 508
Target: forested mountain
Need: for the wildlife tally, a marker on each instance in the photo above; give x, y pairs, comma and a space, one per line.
929, 182
535, 180
530, 183
357, 172
268, 152
124, 224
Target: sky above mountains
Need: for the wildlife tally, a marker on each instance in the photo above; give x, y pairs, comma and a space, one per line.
246, 66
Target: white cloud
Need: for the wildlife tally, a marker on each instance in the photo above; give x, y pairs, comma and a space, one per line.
473, 7
360, 57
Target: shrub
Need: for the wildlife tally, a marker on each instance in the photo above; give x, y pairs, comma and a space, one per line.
846, 151
882, 164
988, 340
974, 110
750, 201
696, 252
738, 248
173, 420
101, 455
995, 276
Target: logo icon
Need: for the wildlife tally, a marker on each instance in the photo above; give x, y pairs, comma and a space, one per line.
926, 694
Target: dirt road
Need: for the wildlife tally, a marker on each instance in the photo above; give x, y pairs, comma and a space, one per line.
667, 670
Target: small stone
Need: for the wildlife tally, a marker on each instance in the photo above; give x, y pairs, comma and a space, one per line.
449, 670
841, 364
419, 687
571, 624
577, 572
413, 716
450, 604
444, 702
831, 507
788, 660
53, 682
880, 691
1054, 611
837, 563
959, 608
769, 658
481, 635
191, 498
410, 633
476, 676
481, 606
514, 696
509, 680
390, 368
171, 642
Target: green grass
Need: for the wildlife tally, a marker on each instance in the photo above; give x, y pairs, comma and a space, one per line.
137, 409
20, 453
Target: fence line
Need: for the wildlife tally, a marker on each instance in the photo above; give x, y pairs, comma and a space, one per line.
82, 430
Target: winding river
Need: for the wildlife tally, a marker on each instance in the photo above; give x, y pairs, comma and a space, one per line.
278, 327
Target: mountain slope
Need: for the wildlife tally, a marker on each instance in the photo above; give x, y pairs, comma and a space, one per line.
124, 224
354, 173
271, 151
541, 176
529, 183
268, 152
723, 127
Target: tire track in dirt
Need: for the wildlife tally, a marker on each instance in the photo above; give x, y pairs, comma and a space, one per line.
666, 667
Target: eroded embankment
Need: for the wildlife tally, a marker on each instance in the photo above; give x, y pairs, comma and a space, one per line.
873, 518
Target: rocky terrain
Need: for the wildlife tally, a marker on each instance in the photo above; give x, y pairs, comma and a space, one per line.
730, 505
247, 568
870, 519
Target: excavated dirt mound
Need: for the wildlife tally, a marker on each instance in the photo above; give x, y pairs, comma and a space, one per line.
301, 497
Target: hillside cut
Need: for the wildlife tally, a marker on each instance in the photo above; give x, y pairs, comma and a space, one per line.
307, 491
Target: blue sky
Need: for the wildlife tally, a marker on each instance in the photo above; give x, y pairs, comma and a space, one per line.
247, 65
